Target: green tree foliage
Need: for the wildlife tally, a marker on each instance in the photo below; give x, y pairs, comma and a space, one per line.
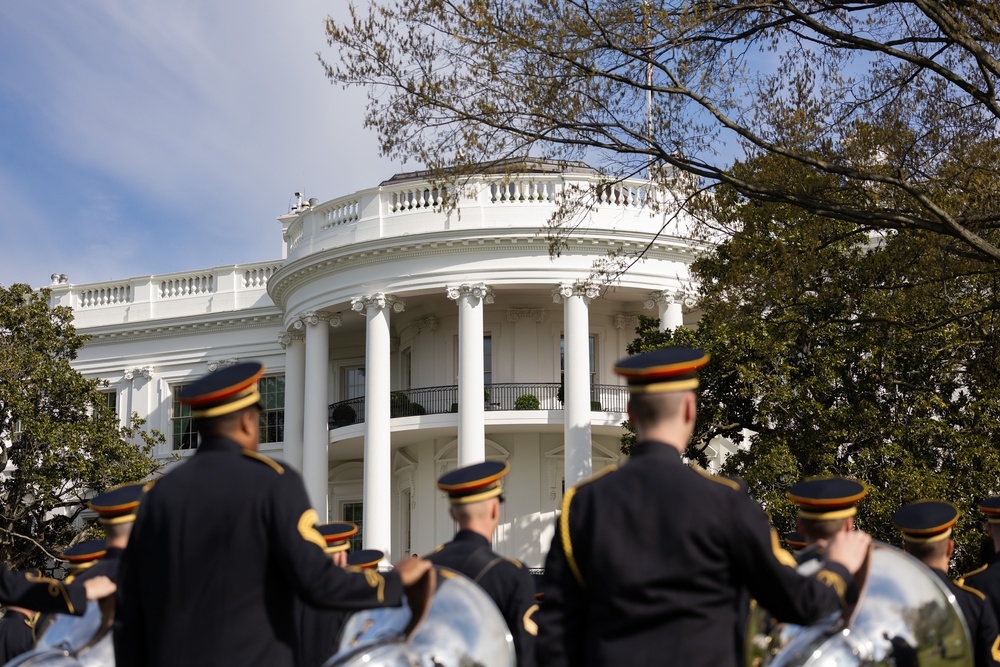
846, 351
60, 442
895, 101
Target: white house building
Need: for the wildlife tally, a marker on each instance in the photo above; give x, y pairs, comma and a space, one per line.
403, 338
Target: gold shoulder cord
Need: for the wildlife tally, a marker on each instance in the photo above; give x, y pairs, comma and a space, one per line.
995, 651
833, 580
274, 465
55, 588
307, 528
567, 540
783, 556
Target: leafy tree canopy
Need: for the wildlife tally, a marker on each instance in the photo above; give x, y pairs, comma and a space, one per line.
842, 351
60, 441
895, 101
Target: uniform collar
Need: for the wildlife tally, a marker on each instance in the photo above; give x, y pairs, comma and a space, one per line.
218, 443
656, 450
471, 537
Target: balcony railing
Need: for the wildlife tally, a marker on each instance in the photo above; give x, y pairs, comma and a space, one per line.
500, 396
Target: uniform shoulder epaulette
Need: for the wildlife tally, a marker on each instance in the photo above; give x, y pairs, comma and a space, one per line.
516, 562
725, 481
961, 584
961, 580
596, 476
265, 460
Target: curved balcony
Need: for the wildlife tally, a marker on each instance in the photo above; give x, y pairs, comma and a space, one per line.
500, 396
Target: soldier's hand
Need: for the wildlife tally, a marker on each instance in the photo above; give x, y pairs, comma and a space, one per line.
99, 588
850, 549
339, 558
411, 570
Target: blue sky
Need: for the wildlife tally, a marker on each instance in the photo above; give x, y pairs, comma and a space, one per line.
143, 137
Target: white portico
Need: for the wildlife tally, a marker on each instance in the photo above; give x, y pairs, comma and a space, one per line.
412, 329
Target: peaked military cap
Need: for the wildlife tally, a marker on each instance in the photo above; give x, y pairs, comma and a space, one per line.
991, 508
85, 552
471, 484
118, 505
925, 520
666, 369
796, 540
823, 498
365, 559
223, 391
337, 535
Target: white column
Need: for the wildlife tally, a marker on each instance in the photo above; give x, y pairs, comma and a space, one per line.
315, 431
377, 492
295, 386
670, 305
471, 395
576, 379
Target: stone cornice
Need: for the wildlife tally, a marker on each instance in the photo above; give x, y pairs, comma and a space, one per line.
172, 328
342, 258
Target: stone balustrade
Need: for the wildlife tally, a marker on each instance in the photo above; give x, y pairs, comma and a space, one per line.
410, 206
220, 289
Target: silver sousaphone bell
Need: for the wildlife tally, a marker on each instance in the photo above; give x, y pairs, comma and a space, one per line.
75, 641
454, 623
904, 617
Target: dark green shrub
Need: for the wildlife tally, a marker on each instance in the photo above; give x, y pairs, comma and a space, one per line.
527, 402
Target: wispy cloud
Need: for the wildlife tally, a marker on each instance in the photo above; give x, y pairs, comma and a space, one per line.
166, 136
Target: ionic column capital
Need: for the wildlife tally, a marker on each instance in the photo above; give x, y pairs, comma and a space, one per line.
669, 297
142, 371
216, 364
379, 300
586, 289
478, 291
286, 338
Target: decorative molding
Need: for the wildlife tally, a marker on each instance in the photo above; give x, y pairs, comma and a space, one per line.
586, 289
394, 344
533, 314
380, 300
477, 290
143, 371
102, 336
331, 261
622, 321
222, 363
336, 319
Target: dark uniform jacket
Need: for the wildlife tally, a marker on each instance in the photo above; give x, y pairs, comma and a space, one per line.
31, 591
219, 550
647, 563
17, 635
980, 619
318, 633
987, 580
507, 582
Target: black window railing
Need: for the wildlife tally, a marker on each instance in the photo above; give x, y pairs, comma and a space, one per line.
498, 396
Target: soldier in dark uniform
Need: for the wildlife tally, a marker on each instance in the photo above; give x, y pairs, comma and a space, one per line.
17, 632
647, 562
475, 493
83, 557
827, 506
116, 511
224, 543
319, 629
795, 541
926, 526
987, 578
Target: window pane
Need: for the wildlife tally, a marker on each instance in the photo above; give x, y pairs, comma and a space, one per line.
272, 418
354, 382
183, 435
488, 360
353, 513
